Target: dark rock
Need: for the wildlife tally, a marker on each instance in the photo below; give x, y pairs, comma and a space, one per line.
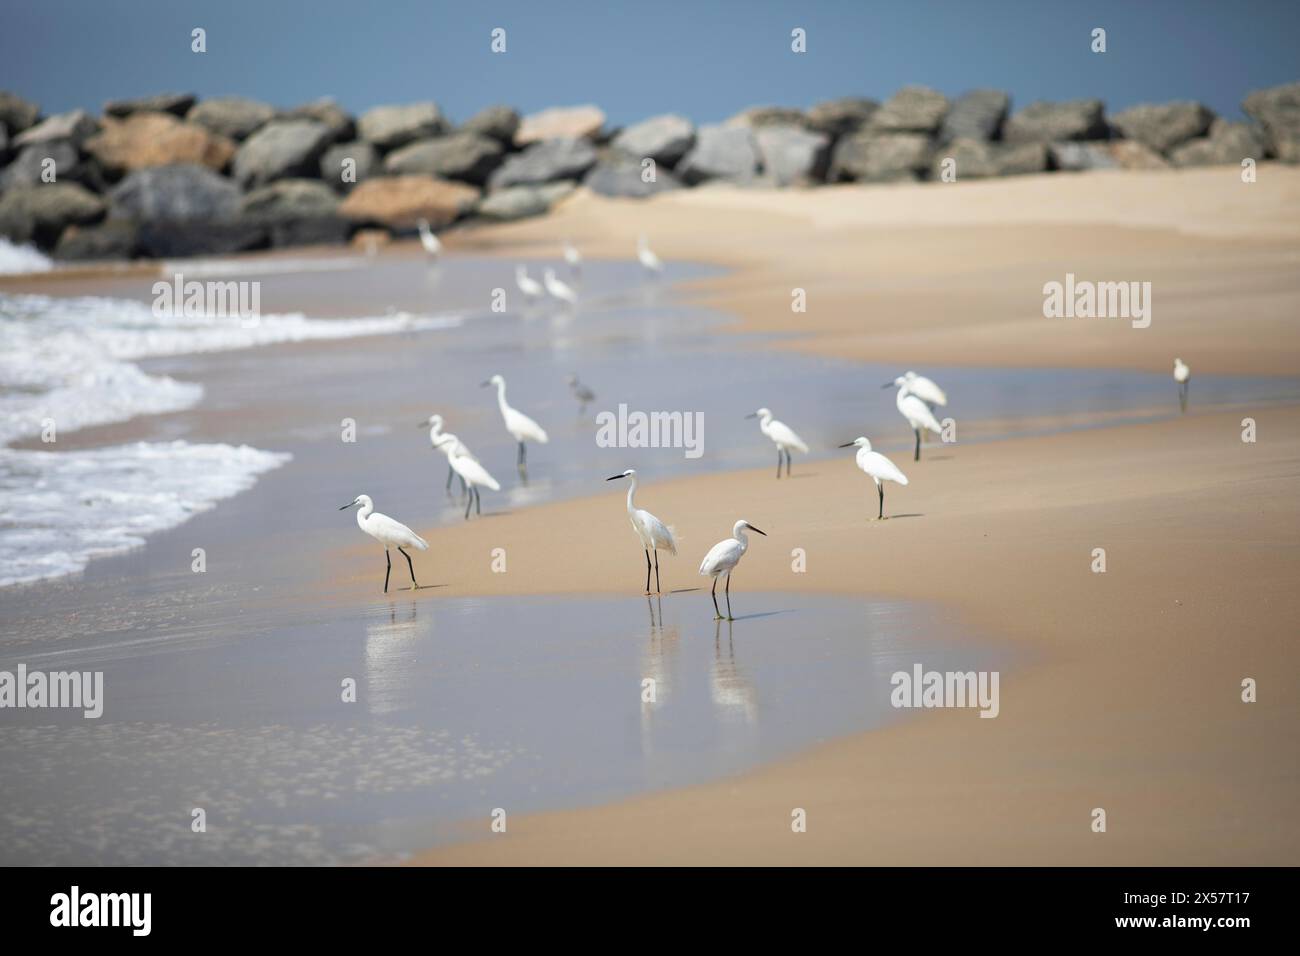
115, 239
388, 127
560, 122
1277, 110
4, 144
156, 139
365, 159
720, 152
184, 193
496, 122
28, 165
74, 127
620, 174
665, 139
913, 109
231, 116
1227, 144
178, 104
976, 115
1165, 125
792, 155
1044, 122
41, 213
281, 149
466, 156
175, 240
841, 117
336, 119
399, 202
545, 162
17, 113
522, 202
873, 157
980, 159
296, 212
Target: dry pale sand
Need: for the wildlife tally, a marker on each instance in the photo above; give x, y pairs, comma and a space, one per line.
1127, 691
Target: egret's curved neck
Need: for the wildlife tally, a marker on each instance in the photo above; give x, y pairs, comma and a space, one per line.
434, 431
631, 494
364, 512
501, 396
739, 534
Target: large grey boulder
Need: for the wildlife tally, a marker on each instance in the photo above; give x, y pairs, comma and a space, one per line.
522, 202
29, 165
757, 116
178, 104
75, 127
840, 117
1227, 144
977, 115
296, 212
495, 122
665, 139
913, 109
980, 159
40, 213
337, 120
466, 156
1162, 126
1277, 110
358, 161
1044, 122
389, 127
184, 194
175, 240
792, 155
545, 162
621, 174
232, 116
4, 144
872, 157
115, 239
280, 149
17, 113
720, 152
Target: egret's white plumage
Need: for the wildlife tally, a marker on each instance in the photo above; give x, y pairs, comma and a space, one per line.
530, 287
456, 446
925, 389
918, 413
388, 532
782, 435
471, 472
427, 239
558, 288
723, 558
653, 534
521, 428
649, 261
572, 256
1182, 375
879, 468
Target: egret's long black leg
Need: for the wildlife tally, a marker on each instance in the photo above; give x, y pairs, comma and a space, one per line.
647, 570
414, 583
778, 463
469, 501
478, 502
789, 459
450, 471
389, 558
728, 592
523, 457
717, 614
657, 588
880, 489
917, 456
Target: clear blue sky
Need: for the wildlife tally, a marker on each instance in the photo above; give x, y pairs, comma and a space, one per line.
703, 59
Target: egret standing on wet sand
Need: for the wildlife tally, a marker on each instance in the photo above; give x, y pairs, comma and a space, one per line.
573, 257
654, 534
530, 287
520, 426
389, 533
558, 289
472, 474
430, 242
879, 468
723, 558
649, 261
925, 389
434, 424
782, 436
1183, 376
916, 412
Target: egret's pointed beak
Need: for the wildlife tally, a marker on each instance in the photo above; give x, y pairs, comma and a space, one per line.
848, 444
752, 415
421, 424
888, 385
347, 506
484, 384
756, 531
615, 477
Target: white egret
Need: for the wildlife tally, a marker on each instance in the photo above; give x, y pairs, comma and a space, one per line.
782, 436
470, 471
434, 424
520, 426
573, 257
427, 239
1183, 376
916, 412
530, 287
649, 261
879, 468
558, 288
582, 393
389, 533
723, 558
654, 534
925, 389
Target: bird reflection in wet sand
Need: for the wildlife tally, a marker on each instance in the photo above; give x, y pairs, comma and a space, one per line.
658, 660
390, 647
734, 696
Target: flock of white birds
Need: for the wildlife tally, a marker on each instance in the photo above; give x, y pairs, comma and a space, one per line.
917, 399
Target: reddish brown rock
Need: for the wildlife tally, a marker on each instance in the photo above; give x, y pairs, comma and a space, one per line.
157, 139
399, 202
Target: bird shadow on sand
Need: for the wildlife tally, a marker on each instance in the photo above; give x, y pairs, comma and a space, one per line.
915, 514
423, 587
750, 617
684, 590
